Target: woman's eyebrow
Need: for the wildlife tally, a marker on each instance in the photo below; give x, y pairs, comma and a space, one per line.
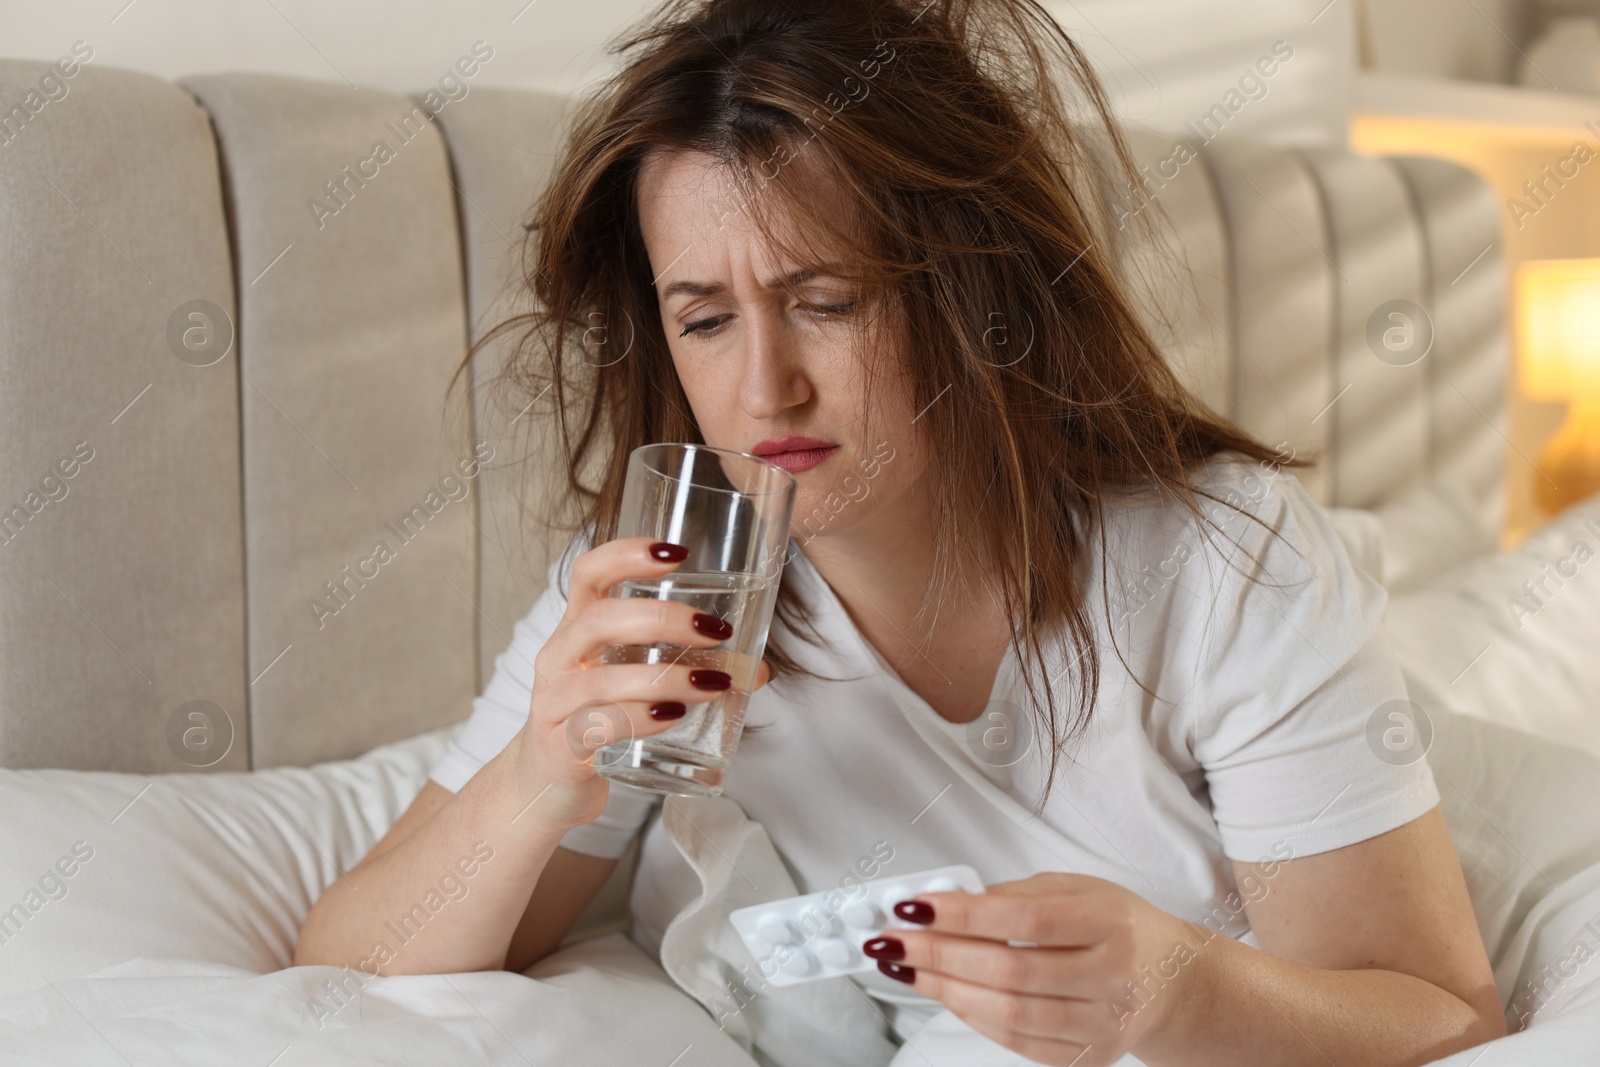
689, 288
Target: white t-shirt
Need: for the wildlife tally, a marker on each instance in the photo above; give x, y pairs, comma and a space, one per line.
1255, 746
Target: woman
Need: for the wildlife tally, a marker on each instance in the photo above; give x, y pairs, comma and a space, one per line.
854, 236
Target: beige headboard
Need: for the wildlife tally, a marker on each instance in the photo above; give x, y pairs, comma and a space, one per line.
248, 390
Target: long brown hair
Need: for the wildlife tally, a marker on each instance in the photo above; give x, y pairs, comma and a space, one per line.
978, 181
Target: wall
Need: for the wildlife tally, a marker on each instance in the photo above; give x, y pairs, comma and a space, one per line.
399, 46
1475, 39
1166, 61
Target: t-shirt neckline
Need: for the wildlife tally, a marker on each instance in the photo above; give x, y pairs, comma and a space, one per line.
912, 702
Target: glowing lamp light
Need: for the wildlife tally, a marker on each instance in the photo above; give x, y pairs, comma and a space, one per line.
1558, 335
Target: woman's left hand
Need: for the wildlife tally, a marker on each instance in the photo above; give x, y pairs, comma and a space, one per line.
1064, 998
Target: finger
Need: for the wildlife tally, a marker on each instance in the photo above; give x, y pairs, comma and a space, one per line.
617, 703
595, 726
641, 621
1052, 1018
594, 572
644, 683
764, 674
1061, 972
1068, 920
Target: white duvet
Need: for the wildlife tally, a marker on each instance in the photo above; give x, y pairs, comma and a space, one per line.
598, 1002
166, 942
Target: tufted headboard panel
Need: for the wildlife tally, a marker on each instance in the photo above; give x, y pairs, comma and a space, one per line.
289, 543
1297, 262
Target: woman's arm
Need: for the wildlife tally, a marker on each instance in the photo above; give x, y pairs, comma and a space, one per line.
1370, 954
475, 880
372, 906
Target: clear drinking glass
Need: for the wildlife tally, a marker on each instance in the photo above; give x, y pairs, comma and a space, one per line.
732, 512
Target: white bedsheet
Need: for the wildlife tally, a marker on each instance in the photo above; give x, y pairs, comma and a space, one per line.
221, 869
602, 1001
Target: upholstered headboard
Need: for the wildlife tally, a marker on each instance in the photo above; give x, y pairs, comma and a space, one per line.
1336, 303
229, 321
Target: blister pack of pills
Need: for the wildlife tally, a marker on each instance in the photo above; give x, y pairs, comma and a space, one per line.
819, 935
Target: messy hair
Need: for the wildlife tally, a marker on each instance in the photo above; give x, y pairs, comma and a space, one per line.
975, 146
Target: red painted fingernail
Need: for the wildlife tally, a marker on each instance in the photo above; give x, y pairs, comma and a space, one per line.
667, 709
915, 911
898, 971
667, 552
712, 626
708, 679
885, 948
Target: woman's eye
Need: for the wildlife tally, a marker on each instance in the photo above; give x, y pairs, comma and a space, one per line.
711, 323
704, 324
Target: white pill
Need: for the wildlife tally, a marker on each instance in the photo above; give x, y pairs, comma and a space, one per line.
799, 964
942, 885
817, 921
774, 929
862, 915
835, 953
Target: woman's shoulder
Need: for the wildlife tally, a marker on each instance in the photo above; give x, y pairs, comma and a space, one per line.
1251, 505
1228, 489
1257, 524
1252, 606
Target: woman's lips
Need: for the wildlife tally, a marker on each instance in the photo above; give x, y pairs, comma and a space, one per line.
800, 459
794, 452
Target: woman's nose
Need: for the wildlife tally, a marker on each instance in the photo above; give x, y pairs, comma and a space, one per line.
774, 380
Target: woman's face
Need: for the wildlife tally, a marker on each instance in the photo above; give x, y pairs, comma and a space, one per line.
773, 375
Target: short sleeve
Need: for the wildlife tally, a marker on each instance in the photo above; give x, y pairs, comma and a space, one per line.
1294, 665
502, 710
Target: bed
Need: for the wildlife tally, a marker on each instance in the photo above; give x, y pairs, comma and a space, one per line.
212, 703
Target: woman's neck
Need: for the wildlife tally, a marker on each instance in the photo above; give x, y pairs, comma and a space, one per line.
880, 570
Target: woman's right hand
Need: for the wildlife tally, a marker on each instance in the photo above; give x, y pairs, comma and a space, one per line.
580, 705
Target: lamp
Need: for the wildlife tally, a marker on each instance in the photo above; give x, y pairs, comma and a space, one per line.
1558, 332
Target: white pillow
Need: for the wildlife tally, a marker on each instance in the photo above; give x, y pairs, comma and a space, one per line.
97, 868
1524, 816
1485, 640
1428, 531
137, 880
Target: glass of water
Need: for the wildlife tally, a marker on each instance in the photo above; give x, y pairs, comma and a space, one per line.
732, 512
